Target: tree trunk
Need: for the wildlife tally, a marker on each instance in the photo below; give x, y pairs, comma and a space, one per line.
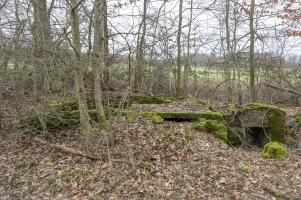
187, 64
178, 73
229, 55
79, 73
99, 57
140, 52
252, 59
41, 31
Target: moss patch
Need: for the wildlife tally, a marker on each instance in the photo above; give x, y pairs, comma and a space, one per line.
199, 102
57, 115
274, 150
236, 136
214, 127
246, 169
260, 107
64, 105
278, 194
146, 164
156, 119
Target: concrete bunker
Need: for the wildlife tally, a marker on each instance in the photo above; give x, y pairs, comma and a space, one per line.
260, 123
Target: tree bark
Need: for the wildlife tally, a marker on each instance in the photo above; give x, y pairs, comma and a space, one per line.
140, 52
229, 54
252, 53
178, 73
42, 37
187, 64
99, 57
79, 73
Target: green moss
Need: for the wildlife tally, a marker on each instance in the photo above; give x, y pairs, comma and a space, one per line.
214, 127
64, 105
190, 116
146, 165
260, 107
246, 169
274, 150
236, 136
60, 115
278, 194
199, 102
156, 119
150, 100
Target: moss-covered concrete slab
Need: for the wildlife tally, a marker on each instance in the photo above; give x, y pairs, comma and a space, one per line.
268, 117
185, 116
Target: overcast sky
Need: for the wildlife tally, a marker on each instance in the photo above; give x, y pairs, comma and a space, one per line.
207, 24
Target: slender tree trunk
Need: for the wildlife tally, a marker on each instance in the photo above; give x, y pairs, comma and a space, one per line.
99, 57
178, 73
252, 53
151, 74
229, 55
106, 44
79, 73
187, 64
140, 52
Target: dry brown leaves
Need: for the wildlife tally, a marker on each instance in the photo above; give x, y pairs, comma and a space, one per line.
171, 161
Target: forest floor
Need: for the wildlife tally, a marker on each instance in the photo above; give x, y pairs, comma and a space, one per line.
167, 161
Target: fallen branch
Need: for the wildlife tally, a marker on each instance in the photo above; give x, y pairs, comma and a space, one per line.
282, 89
278, 194
76, 152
